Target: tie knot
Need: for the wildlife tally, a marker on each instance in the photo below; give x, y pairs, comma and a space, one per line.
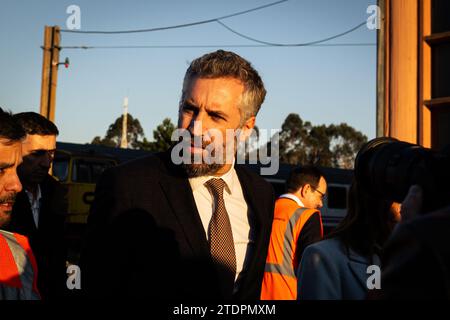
216, 185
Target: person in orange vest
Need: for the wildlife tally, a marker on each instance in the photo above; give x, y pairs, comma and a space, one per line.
297, 223
18, 272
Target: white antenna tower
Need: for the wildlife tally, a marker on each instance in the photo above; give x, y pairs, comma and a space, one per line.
124, 141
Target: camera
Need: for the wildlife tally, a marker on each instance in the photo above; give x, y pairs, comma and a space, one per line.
387, 167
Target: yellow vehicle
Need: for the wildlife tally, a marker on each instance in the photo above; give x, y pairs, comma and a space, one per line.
79, 172
78, 167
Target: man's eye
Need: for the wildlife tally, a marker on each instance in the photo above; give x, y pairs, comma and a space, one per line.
216, 117
188, 108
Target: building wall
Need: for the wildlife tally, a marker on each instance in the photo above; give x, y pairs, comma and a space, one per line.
413, 43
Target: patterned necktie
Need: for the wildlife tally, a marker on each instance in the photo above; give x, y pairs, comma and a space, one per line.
221, 242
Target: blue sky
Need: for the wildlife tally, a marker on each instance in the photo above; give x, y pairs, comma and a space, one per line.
322, 84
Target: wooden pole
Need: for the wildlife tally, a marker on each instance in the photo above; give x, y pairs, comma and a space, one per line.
50, 71
382, 70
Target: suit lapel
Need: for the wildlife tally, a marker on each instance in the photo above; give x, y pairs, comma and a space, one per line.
45, 205
43, 209
250, 195
257, 225
180, 198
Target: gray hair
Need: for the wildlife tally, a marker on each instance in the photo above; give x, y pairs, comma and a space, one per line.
226, 64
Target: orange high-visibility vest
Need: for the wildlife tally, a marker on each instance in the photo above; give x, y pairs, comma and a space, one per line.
280, 281
18, 268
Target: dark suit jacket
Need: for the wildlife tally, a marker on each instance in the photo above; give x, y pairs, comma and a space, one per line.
145, 237
47, 241
416, 261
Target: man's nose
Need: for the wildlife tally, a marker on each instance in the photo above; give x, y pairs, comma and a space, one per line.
13, 184
46, 160
196, 126
320, 204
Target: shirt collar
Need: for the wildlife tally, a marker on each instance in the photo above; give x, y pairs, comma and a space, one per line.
292, 197
38, 195
228, 177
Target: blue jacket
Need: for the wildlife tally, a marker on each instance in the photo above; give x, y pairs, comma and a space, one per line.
328, 271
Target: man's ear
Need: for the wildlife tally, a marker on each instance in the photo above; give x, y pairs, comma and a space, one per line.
247, 128
304, 189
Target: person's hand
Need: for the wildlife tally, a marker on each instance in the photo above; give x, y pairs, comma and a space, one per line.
412, 204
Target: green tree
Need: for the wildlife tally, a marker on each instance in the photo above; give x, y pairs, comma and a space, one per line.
161, 136
345, 142
328, 146
113, 135
317, 146
293, 136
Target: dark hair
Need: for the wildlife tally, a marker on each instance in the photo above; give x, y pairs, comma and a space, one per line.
34, 123
9, 128
366, 227
301, 176
226, 64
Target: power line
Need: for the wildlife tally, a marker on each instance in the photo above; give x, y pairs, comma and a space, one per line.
262, 44
316, 43
291, 44
368, 44
180, 25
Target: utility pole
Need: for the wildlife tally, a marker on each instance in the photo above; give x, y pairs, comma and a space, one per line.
50, 71
124, 141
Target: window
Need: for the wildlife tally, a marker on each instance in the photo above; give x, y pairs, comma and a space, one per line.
87, 171
438, 40
97, 170
61, 169
80, 172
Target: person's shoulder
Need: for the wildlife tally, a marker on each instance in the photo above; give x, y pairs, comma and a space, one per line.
150, 165
52, 187
15, 240
52, 181
327, 249
5, 233
326, 244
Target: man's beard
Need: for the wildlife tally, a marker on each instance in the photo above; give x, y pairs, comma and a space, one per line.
9, 198
196, 169
5, 216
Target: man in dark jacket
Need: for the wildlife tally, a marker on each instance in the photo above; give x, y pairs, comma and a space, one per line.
40, 208
169, 229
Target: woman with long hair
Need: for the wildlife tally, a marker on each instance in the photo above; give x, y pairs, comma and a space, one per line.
336, 268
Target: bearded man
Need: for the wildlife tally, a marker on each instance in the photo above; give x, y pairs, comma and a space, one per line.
188, 223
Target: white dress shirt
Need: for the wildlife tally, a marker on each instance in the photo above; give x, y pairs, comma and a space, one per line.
237, 210
35, 204
293, 197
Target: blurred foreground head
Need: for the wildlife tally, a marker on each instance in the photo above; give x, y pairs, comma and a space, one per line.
387, 168
11, 135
